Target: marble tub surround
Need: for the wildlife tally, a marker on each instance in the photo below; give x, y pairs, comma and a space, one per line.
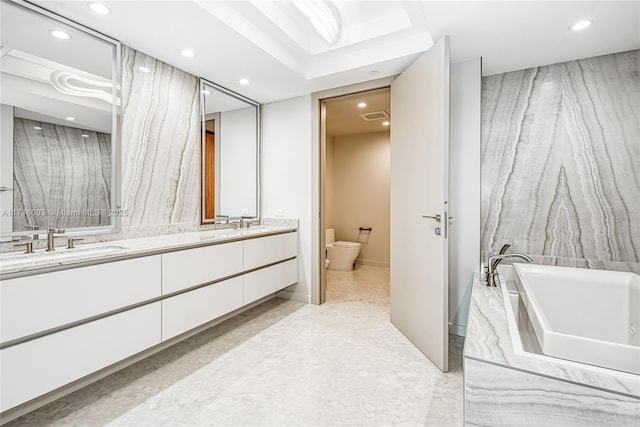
559, 149
57, 170
489, 341
18, 263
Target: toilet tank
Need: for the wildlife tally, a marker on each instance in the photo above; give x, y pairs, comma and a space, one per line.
329, 236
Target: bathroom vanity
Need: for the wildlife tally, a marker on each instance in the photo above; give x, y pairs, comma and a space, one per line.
510, 382
71, 317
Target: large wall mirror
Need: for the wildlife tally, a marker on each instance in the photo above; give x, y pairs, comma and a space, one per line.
60, 96
230, 154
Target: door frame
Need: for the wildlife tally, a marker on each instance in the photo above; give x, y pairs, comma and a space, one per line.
318, 159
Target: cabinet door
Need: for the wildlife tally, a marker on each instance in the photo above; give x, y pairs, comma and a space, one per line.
36, 303
261, 283
35, 367
191, 267
194, 308
265, 250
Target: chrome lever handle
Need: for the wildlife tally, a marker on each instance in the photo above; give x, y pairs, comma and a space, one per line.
438, 217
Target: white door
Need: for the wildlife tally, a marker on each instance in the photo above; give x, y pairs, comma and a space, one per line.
420, 190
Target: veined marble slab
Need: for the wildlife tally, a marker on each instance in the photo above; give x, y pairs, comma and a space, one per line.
488, 340
12, 264
160, 150
560, 156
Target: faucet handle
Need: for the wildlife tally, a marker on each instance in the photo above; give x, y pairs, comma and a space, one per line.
28, 247
56, 230
71, 242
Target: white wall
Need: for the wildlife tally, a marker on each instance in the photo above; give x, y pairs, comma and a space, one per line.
464, 192
287, 174
359, 197
6, 169
237, 162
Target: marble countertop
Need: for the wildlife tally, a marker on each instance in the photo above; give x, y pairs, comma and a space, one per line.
488, 340
16, 264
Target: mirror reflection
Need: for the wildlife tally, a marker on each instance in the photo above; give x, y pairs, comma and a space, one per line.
230, 147
59, 101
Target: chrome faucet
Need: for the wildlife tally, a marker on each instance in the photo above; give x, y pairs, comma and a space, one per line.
246, 220
50, 234
494, 260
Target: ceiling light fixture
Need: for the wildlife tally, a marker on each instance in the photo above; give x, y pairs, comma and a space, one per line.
99, 8
324, 18
188, 53
84, 135
71, 119
144, 69
581, 25
244, 81
362, 104
386, 123
374, 73
60, 34
37, 128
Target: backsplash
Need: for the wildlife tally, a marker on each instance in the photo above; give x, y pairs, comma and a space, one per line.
160, 151
560, 154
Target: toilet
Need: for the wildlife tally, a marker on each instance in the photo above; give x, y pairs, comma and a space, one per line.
341, 255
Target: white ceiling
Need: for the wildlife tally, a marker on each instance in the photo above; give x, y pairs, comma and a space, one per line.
343, 116
267, 43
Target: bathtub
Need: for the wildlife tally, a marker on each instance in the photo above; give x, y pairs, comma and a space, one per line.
581, 315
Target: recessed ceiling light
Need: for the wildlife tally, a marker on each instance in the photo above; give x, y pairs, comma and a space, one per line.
60, 34
188, 53
144, 69
37, 128
386, 123
84, 135
581, 25
99, 8
206, 92
71, 119
374, 73
244, 81
362, 104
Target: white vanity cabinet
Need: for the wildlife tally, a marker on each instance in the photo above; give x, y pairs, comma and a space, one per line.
62, 326
33, 304
36, 367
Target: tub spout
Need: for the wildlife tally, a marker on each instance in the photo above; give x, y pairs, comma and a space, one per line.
493, 262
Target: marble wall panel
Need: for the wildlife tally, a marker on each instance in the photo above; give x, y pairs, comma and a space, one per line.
160, 150
61, 179
561, 159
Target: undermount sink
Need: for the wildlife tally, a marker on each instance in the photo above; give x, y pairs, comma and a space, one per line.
15, 259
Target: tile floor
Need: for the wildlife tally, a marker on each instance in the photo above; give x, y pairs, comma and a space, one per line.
282, 363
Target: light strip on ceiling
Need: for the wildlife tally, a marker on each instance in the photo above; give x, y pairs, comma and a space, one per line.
323, 18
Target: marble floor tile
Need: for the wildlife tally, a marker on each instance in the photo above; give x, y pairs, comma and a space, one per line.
282, 363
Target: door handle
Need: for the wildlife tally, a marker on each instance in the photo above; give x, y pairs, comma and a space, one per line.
438, 217
6, 188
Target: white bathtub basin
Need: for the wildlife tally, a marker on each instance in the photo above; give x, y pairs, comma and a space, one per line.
588, 316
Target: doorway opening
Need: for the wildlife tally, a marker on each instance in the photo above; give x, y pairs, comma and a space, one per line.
355, 206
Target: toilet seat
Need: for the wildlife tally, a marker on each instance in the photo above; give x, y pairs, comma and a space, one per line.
343, 244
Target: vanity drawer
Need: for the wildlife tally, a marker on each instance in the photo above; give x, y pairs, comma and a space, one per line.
192, 267
36, 303
261, 283
265, 250
192, 309
35, 367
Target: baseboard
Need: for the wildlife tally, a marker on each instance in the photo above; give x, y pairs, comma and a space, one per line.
459, 330
293, 296
372, 263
